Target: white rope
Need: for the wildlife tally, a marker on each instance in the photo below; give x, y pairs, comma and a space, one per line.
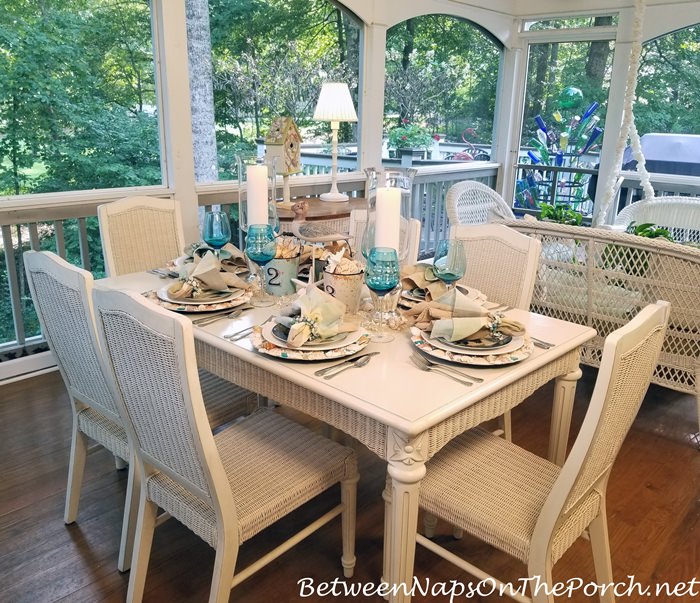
628, 129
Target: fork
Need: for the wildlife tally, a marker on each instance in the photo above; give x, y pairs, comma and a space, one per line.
424, 366
545, 345
248, 330
444, 367
207, 320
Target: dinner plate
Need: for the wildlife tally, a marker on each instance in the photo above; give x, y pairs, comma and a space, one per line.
262, 345
514, 343
203, 307
428, 346
163, 294
350, 337
280, 332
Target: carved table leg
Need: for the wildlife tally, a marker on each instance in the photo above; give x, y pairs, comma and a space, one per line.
406, 469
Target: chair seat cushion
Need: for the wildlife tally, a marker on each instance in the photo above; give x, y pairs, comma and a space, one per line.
273, 465
495, 490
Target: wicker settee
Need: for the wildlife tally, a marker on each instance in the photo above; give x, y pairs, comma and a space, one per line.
601, 278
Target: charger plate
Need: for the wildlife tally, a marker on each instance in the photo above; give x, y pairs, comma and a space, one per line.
209, 307
163, 295
351, 337
280, 333
268, 348
426, 345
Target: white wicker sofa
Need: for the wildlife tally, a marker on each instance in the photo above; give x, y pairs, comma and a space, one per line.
680, 215
601, 278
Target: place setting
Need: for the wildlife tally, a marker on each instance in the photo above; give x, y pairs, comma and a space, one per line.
459, 329
314, 327
208, 279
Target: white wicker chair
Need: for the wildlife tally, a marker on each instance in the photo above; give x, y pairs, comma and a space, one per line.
140, 233
62, 296
502, 263
471, 202
526, 505
225, 487
409, 229
680, 215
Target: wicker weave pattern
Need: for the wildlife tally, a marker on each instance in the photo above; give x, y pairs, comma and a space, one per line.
678, 214
67, 332
472, 202
602, 278
500, 262
272, 465
145, 364
104, 431
141, 238
224, 401
363, 428
624, 396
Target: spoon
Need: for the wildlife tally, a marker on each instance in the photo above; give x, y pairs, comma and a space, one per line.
357, 364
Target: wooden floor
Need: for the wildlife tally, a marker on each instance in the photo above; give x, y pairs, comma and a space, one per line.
653, 511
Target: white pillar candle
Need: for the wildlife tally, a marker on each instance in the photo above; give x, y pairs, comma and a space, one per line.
388, 219
257, 194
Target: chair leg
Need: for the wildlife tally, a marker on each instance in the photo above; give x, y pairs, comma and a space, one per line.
224, 568
505, 423
76, 467
429, 524
131, 508
600, 544
541, 582
348, 498
145, 527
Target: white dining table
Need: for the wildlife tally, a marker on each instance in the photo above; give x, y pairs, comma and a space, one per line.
402, 414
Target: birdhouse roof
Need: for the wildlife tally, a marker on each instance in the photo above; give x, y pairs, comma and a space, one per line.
281, 129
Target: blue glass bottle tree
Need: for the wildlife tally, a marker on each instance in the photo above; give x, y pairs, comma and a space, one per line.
562, 142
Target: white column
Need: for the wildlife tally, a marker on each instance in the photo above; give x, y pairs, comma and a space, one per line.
371, 110
508, 116
172, 80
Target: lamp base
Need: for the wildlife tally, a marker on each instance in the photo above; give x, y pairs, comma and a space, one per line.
333, 196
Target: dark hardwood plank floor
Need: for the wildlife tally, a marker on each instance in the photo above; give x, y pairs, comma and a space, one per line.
653, 511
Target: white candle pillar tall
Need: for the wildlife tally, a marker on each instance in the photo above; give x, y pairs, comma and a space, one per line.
387, 231
257, 194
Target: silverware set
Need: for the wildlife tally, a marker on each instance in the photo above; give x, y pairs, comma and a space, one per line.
427, 365
357, 362
163, 273
210, 318
247, 331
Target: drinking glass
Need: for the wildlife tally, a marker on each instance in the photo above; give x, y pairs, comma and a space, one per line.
381, 277
450, 262
260, 248
217, 230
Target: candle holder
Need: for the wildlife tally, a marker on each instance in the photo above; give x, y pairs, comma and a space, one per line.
242, 165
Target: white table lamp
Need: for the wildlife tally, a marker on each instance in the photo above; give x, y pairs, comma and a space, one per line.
334, 105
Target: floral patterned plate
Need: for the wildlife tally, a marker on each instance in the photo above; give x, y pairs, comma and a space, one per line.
495, 359
269, 348
209, 307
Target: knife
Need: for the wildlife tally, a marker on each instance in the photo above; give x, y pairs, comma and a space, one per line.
329, 369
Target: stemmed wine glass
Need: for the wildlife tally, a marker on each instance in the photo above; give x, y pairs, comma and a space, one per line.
381, 277
450, 262
260, 248
217, 230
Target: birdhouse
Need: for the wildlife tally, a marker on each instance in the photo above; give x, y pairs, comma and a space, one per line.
283, 141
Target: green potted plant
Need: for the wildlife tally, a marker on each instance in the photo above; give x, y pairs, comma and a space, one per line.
411, 137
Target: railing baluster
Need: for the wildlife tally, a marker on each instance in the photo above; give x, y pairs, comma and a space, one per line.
60, 238
84, 246
15, 300
34, 236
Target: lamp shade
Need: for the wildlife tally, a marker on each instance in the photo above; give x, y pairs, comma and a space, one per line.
335, 103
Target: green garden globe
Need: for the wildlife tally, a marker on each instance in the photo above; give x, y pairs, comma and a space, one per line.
570, 98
